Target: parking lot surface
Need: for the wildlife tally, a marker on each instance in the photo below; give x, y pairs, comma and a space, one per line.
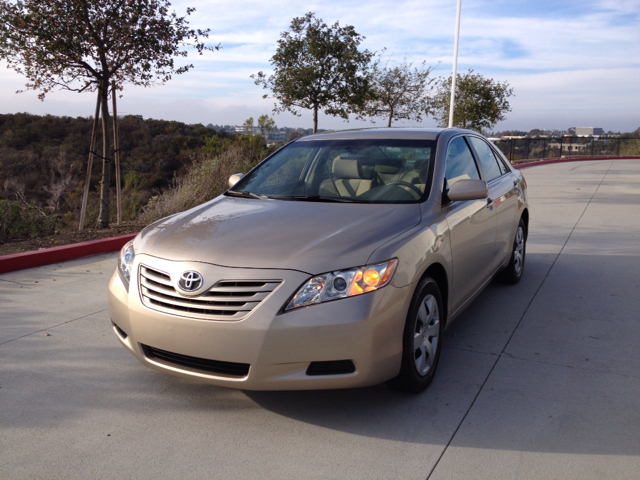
540, 380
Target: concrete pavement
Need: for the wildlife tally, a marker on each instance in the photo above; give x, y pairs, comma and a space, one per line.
539, 380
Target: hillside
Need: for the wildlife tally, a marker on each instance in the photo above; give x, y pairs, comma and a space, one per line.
43, 163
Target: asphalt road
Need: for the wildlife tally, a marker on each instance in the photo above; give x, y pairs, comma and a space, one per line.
537, 381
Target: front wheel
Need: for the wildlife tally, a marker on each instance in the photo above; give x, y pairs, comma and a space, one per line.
422, 339
513, 271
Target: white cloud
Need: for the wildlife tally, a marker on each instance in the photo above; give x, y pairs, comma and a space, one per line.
569, 63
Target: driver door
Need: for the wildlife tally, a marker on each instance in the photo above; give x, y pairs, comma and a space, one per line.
472, 227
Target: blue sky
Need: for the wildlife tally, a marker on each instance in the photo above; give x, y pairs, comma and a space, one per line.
570, 63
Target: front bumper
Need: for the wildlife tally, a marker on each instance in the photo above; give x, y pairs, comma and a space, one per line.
278, 348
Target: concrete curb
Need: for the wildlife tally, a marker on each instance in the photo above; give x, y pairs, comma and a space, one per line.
563, 160
47, 256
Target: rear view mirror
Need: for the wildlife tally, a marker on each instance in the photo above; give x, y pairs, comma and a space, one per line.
468, 189
233, 179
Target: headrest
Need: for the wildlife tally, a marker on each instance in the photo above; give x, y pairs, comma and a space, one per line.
422, 167
389, 166
346, 155
346, 168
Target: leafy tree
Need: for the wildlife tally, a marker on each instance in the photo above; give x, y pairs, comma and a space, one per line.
317, 67
89, 45
399, 92
266, 125
479, 102
247, 126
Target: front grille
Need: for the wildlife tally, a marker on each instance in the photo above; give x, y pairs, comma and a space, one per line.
213, 366
226, 300
334, 367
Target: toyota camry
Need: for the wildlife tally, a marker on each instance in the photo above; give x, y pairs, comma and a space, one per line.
336, 262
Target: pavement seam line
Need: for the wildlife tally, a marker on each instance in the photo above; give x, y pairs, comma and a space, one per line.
466, 414
53, 326
582, 369
444, 347
512, 357
15, 283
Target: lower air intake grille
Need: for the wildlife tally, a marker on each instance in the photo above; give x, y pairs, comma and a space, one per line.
335, 367
212, 366
121, 332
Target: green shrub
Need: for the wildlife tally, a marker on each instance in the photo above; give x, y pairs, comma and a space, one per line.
19, 221
629, 147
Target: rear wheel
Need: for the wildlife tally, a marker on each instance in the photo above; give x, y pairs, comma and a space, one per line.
513, 271
422, 339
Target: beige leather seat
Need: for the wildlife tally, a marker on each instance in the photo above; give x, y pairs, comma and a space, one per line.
388, 169
418, 174
348, 179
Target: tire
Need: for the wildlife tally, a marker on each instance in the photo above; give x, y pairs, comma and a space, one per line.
422, 339
513, 271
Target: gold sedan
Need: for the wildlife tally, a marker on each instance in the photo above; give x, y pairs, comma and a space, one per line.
337, 262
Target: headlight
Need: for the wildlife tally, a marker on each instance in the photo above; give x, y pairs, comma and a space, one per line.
125, 262
343, 283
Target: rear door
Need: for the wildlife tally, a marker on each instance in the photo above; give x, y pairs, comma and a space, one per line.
503, 191
472, 226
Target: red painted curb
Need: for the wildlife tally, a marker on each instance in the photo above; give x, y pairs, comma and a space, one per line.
47, 256
563, 160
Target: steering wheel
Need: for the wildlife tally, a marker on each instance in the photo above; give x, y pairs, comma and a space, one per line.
407, 184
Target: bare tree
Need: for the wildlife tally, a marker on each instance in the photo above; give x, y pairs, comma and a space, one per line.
62, 178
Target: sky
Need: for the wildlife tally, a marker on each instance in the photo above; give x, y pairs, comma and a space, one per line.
570, 63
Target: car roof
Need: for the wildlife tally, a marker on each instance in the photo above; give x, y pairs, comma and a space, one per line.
383, 133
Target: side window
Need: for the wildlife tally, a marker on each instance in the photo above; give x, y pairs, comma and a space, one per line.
502, 161
490, 164
460, 163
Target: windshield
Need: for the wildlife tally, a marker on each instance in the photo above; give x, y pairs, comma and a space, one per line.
370, 171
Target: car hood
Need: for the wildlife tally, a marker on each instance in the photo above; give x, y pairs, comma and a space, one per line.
312, 237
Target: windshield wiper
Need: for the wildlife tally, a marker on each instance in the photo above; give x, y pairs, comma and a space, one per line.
244, 194
316, 198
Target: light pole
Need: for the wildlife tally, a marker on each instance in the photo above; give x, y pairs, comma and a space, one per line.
455, 66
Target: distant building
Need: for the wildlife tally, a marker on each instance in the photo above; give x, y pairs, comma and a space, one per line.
277, 137
575, 147
242, 129
589, 132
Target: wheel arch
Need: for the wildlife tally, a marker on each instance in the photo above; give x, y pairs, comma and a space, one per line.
439, 274
525, 218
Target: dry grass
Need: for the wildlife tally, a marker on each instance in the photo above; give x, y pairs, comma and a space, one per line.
206, 180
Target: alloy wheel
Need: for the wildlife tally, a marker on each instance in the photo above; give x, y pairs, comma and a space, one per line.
518, 250
426, 335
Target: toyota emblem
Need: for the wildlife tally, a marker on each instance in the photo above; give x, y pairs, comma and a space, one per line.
190, 281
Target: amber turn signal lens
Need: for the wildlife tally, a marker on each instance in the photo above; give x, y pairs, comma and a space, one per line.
388, 272
371, 278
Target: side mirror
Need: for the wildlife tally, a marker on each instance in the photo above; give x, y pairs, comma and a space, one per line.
468, 190
233, 179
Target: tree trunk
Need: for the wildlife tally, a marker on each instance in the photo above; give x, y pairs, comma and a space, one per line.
92, 149
390, 117
103, 217
315, 118
116, 156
